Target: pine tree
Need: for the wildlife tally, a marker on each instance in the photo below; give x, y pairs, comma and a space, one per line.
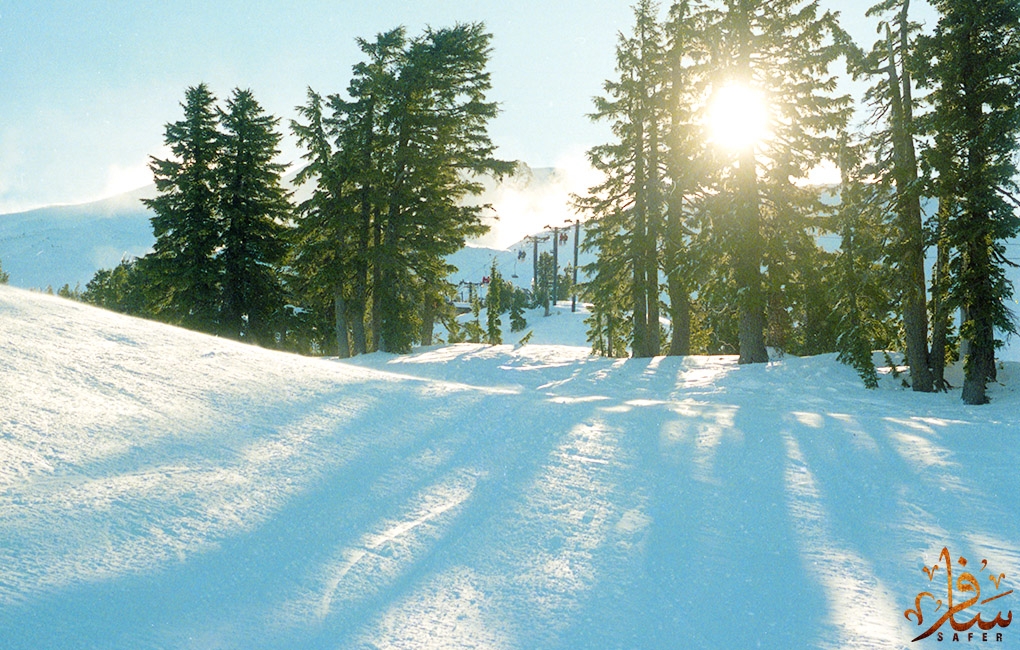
362, 130
972, 65
436, 120
327, 231
473, 328
781, 50
629, 205
862, 300
123, 289
4, 276
254, 209
684, 166
544, 280
494, 307
606, 289
184, 267
405, 147
896, 168
518, 299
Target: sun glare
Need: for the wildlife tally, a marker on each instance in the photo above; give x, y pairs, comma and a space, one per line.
737, 117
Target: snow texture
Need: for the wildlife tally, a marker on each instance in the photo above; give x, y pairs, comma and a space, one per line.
165, 489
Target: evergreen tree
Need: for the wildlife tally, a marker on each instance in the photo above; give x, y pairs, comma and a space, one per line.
972, 65
544, 280
629, 204
518, 299
364, 140
326, 231
684, 164
780, 50
494, 307
896, 168
124, 289
254, 209
473, 328
436, 122
861, 295
405, 148
184, 267
4, 276
608, 326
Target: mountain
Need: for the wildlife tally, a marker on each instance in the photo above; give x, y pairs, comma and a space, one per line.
61, 245
164, 489
67, 244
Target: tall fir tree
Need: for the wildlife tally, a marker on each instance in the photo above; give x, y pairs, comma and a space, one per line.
494, 306
629, 205
893, 141
408, 145
184, 268
254, 209
971, 63
437, 123
780, 51
861, 300
325, 230
684, 163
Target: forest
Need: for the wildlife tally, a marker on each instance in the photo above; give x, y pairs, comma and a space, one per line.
708, 235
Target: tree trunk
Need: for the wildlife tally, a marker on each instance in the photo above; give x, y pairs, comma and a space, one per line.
343, 348
653, 213
980, 363
910, 223
750, 246
679, 296
941, 316
377, 286
639, 340
680, 314
751, 294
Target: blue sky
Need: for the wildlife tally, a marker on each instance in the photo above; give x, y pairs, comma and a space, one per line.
86, 86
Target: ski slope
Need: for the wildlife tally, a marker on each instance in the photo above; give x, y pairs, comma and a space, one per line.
165, 489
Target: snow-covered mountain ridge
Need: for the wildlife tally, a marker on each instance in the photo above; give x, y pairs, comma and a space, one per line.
164, 489
67, 244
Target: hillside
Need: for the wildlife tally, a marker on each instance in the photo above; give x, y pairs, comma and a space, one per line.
165, 489
67, 244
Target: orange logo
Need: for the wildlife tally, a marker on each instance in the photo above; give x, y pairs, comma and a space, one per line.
966, 586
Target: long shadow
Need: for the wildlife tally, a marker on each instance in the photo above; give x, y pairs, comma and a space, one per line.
227, 588
718, 565
489, 538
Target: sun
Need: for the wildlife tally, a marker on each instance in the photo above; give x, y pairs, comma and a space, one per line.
737, 117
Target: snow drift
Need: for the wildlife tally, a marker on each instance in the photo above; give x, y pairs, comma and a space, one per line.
165, 489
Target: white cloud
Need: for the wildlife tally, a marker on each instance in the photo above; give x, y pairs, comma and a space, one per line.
530, 201
125, 178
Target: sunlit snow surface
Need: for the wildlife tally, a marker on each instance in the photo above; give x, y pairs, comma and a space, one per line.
164, 489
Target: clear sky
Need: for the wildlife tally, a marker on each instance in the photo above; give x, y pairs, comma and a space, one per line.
86, 86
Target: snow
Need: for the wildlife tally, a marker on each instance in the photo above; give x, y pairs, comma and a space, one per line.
62, 245
164, 489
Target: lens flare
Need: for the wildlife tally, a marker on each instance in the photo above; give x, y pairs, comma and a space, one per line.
737, 117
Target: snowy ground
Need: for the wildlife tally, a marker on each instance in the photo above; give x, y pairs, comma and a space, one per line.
164, 489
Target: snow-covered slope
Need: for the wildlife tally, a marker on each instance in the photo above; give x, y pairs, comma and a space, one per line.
165, 489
